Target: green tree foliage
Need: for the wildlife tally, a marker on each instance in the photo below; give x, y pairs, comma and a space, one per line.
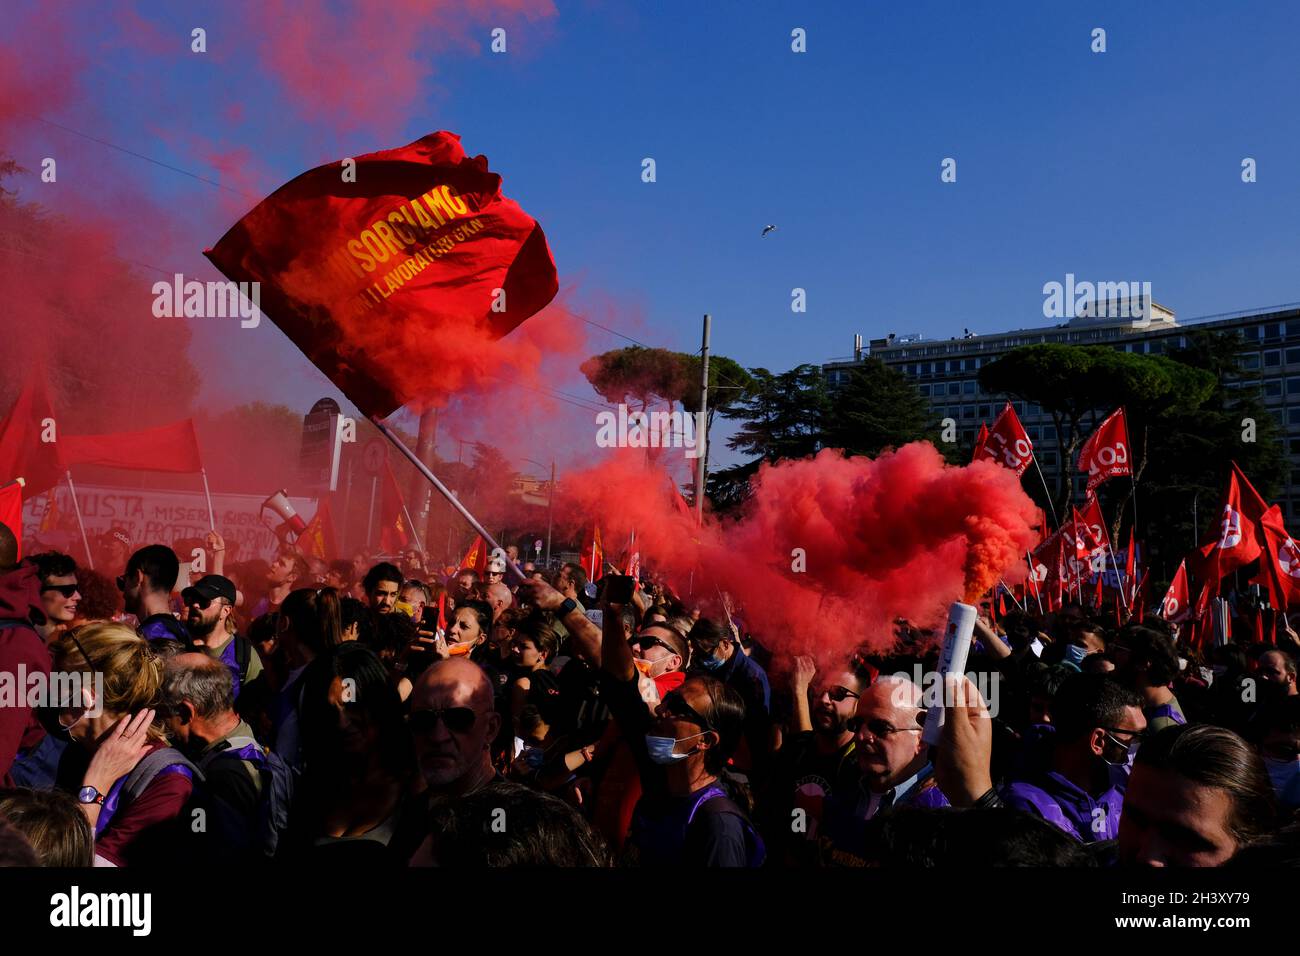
1079, 385
877, 408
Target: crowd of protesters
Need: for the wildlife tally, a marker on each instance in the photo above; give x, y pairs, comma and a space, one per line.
391, 713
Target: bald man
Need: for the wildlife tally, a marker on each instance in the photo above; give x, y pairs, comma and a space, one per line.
894, 761
499, 596
453, 723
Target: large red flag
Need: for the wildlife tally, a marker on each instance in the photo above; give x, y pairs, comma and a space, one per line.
11, 510
22, 452
317, 539
356, 260
1175, 606
593, 556
1095, 538
393, 532
1008, 443
1240, 534
1106, 452
171, 447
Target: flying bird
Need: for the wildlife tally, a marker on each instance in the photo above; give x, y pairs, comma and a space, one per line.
766, 230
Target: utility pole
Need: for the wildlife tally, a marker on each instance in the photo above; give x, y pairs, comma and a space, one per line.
550, 516
702, 427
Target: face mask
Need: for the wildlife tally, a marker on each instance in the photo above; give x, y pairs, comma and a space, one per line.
661, 748
455, 649
1285, 775
711, 663
645, 667
1074, 654
1128, 755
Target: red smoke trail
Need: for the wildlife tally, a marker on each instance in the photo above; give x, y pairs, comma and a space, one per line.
903, 535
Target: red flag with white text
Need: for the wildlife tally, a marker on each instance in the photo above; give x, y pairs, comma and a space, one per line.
1008, 443
1106, 453
1175, 605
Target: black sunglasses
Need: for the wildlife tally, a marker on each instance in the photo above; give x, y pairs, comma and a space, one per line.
838, 693
67, 590
675, 704
204, 602
646, 642
876, 726
458, 719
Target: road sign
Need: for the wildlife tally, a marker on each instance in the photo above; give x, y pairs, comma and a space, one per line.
374, 455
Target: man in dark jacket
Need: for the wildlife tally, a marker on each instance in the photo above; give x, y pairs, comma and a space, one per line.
22, 652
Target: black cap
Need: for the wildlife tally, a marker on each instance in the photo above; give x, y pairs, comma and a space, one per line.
208, 587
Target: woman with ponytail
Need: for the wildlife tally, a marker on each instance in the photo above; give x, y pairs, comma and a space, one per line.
309, 626
135, 788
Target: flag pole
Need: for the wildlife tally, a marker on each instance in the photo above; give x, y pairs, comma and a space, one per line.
1011, 594
207, 492
443, 490
1038, 595
414, 534
80, 524
1050, 503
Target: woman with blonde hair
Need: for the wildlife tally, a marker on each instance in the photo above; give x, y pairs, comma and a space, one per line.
135, 788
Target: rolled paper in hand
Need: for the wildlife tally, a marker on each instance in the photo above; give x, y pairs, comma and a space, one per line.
952, 660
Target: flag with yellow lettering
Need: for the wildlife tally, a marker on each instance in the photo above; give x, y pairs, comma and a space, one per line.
364, 261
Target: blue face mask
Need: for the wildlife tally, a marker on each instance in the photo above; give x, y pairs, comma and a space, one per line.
1074, 654
661, 748
711, 663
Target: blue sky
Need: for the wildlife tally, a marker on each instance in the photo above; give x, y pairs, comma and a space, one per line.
1113, 166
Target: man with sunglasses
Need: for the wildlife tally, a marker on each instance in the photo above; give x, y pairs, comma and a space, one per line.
894, 762
453, 723
1098, 726
21, 650
817, 760
209, 605
59, 591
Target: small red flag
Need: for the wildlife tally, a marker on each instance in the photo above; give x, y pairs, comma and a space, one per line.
476, 557
1174, 606
593, 556
1007, 443
393, 532
1106, 452
980, 442
317, 539
23, 454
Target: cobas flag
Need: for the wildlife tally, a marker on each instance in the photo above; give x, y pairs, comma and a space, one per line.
1175, 607
1106, 452
358, 259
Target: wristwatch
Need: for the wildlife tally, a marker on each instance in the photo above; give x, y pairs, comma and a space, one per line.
90, 795
567, 607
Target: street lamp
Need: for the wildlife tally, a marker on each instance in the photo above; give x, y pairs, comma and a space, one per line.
550, 507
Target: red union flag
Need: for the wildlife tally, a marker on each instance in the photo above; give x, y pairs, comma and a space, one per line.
1280, 562
593, 556
1106, 452
1175, 607
360, 261
173, 448
1008, 443
23, 452
1240, 535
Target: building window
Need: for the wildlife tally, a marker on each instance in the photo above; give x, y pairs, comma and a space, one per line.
1273, 331
1032, 433
954, 388
1273, 388
1049, 458
968, 387
985, 411
1157, 348
1293, 385
1250, 333
1293, 355
1250, 361
1294, 445
1272, 359
968, 411
924, 390
1292, 416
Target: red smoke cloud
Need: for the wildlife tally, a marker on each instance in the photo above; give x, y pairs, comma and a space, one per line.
903, 535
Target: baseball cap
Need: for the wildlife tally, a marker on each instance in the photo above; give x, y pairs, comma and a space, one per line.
210, 586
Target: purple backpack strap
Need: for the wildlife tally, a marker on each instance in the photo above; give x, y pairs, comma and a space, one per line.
1042, 801
1166, 710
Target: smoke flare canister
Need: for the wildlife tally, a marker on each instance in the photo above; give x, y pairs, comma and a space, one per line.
952, 660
